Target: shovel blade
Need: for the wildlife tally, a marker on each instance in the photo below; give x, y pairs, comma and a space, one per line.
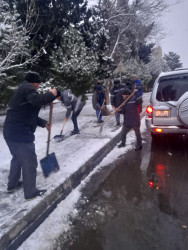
58, 138
49, 164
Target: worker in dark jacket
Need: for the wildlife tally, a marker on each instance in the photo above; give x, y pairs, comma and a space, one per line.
97, 102
114, 98
137, 84
19, 127
131, 118
72, 104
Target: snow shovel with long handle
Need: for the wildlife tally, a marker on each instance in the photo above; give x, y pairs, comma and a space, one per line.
49, 163
123, 103
60, 137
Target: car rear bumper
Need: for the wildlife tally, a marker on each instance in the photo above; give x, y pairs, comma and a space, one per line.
165, 129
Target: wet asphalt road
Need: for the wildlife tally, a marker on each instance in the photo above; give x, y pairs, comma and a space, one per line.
139, 202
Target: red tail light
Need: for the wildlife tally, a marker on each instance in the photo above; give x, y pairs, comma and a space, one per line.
151, 184
158, 130
149, 111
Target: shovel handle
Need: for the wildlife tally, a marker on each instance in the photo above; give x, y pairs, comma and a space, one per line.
123, 103
49, 131
64, 121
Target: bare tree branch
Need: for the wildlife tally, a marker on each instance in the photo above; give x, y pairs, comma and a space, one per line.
17, 53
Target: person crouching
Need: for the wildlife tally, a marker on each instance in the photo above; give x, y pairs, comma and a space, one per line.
72, 104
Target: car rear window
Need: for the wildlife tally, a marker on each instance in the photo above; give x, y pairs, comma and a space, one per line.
172, 88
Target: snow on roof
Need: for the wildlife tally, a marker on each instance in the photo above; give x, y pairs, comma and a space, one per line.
175, 72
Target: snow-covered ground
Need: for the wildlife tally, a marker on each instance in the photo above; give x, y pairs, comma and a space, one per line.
71, 153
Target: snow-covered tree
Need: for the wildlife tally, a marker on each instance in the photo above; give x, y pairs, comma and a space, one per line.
140, 69
74, 65
173, 60
129, 24
13, 39
53, 18
15, 51
95, 37
145, 51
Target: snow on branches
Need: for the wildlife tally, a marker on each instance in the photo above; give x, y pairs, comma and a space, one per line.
15, 38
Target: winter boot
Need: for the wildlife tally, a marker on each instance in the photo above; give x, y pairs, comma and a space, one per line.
101, 121
74, 132
39, 192
12, 189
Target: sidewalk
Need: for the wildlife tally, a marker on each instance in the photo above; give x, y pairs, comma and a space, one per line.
77, 155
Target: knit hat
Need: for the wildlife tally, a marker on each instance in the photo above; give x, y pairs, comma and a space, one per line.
99, 88
32, 77
116, 81
126, 92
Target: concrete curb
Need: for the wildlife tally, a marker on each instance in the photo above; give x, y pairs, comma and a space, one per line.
28, 224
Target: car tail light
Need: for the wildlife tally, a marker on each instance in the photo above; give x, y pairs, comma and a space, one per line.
158, 130
149, 111
151, 184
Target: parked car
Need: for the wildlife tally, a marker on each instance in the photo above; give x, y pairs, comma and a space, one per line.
167, 112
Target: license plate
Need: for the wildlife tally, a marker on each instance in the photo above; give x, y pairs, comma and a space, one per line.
162, 113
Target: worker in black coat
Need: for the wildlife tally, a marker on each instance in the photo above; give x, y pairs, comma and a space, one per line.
114, 97
19, 127
131, 118
98, 98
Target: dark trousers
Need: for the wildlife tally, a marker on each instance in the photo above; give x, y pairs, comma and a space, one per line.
74, 119
117, 116
136, 129
23, 158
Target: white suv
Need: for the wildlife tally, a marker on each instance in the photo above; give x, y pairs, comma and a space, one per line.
167, 112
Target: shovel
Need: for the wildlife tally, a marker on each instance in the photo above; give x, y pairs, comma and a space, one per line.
49, 163
118, 107
60, 137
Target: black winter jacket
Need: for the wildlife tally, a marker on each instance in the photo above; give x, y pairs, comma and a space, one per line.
22, 114
131, 113
114, 94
